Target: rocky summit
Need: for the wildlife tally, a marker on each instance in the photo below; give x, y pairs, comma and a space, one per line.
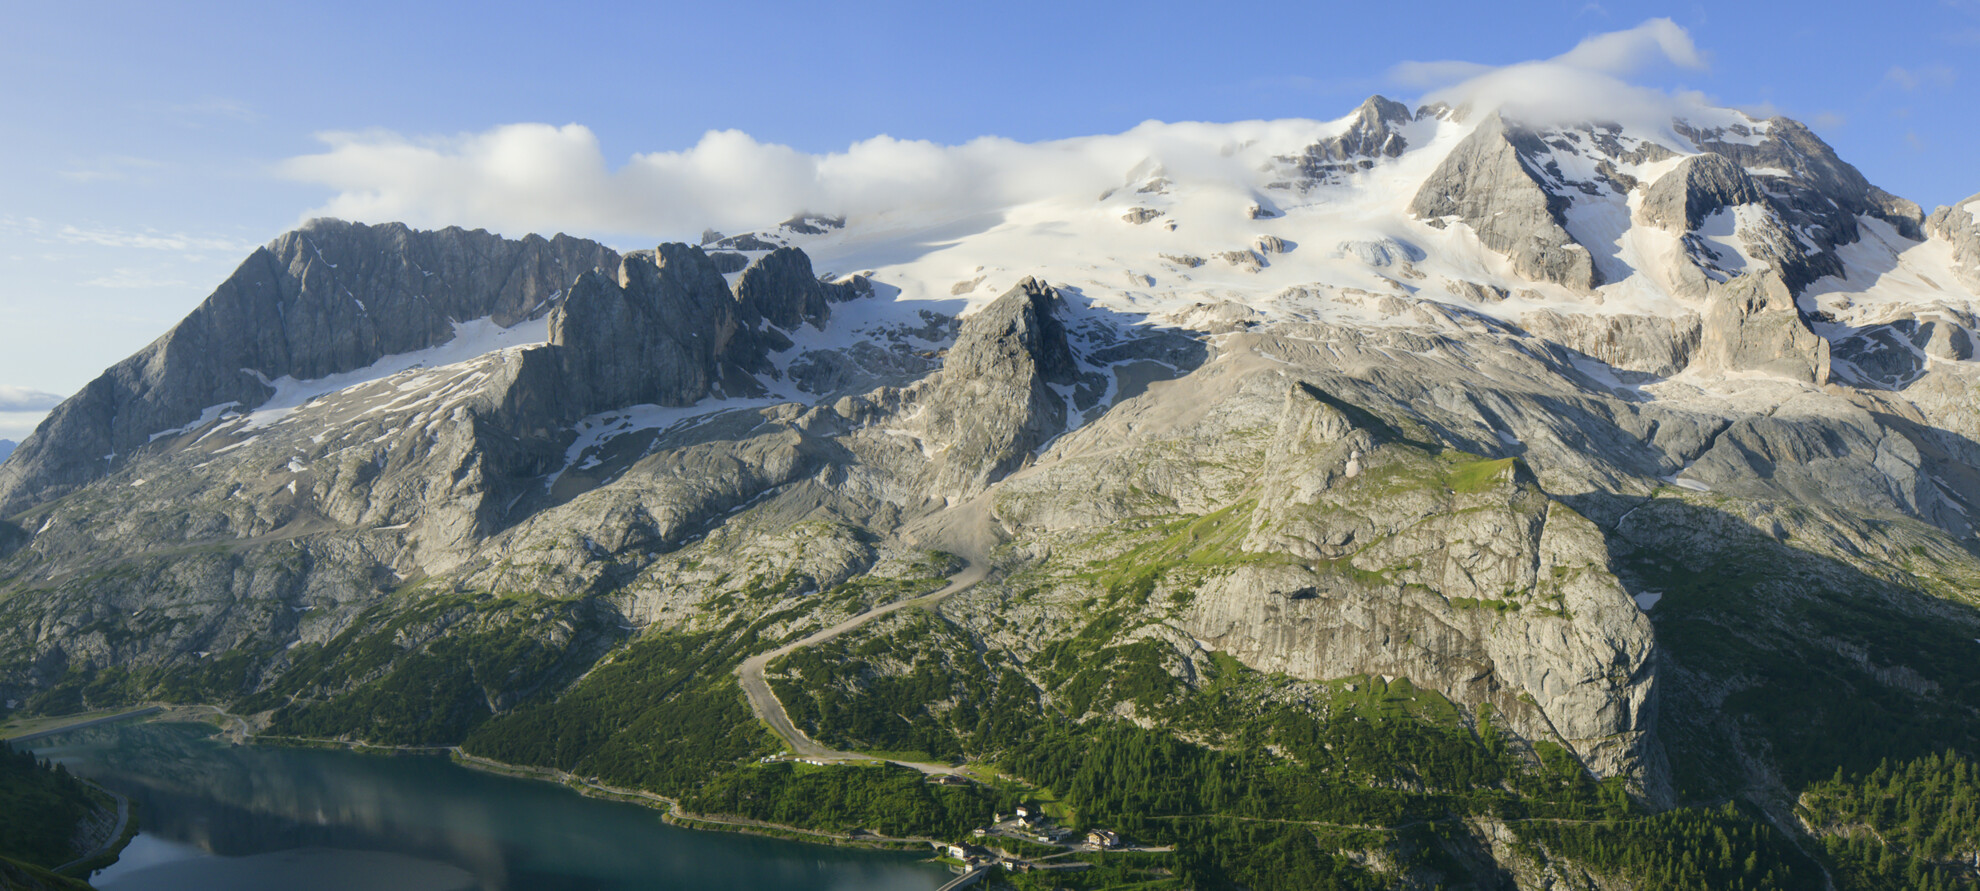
1451, 500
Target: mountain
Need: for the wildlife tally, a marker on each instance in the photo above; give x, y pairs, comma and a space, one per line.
7, 447
1424, 497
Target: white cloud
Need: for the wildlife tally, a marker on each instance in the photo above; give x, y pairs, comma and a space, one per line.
1627, 52
1760, 110
1909, 79
1584, 83
536, 177
22, 399
132, 279
109, 168
192, 113
1436, 74
1828, 120
149, 240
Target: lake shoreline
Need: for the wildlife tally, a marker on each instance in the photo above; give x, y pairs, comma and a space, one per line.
672, 813
271, 795
114, 814
36, 729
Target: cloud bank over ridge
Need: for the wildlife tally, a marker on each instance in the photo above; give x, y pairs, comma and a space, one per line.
536, 177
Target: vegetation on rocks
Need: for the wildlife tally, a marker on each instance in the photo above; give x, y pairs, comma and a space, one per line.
1911, 825
886, 799
41, 806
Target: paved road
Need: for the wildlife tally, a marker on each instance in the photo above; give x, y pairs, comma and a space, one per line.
65, 728
766, 706
123, 819
240, 734
967, 879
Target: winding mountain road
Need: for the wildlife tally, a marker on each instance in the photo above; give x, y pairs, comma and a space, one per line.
771, 711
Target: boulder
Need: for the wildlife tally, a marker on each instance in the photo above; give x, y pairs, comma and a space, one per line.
1751, 324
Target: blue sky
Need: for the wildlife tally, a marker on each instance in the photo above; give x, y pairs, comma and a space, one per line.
149, 147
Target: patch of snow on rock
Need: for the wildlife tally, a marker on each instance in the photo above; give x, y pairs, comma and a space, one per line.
471, 339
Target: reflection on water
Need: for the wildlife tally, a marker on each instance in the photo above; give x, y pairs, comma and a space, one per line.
220, 817
304, 869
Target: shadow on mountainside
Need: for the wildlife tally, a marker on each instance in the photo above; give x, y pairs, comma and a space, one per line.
1781, 666
12, 538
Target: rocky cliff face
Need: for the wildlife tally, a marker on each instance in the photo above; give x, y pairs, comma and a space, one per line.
1701, 185
1656, 345
1959, 225
659, 334
1753, 323
328, 298
1487, 184
781, 289
1820, 193
1462, 576
994, 402
1712, 192
1374, 135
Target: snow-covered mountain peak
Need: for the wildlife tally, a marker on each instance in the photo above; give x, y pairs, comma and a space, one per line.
1366, 218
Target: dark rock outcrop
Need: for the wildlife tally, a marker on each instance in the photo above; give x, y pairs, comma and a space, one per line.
812, 224
1960, 226
1370, 138
656, 335
1685, 199
780, 288
1818, 192
1895, 354
728, 261
1699, 186
748, 241
1487, 184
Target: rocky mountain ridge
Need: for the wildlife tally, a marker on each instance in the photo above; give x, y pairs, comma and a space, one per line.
1438, 396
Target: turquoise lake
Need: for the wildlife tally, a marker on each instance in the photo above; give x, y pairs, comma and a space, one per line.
218, 817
